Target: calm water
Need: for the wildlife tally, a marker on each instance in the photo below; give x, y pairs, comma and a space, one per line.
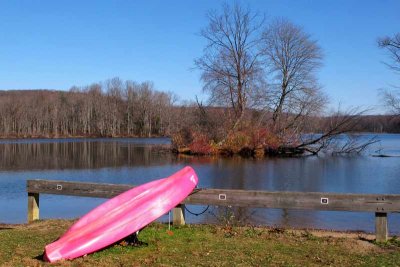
135, 161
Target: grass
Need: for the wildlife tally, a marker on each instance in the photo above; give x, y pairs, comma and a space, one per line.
203, 245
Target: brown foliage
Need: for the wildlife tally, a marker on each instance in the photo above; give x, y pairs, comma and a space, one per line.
109, 109
248, 142
201, 144
265, 138
182, 139
236, 142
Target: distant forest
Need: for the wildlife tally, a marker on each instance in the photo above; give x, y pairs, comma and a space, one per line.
122, 109
98, 110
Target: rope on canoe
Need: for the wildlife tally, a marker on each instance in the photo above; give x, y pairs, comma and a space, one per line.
197, 214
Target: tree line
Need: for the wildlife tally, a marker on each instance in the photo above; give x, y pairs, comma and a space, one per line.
129, 109
108, 109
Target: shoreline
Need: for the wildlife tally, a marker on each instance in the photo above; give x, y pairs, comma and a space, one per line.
315, 231
206, 245
76, 137
13, 137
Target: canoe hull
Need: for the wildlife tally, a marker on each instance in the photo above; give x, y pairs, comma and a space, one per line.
122, 215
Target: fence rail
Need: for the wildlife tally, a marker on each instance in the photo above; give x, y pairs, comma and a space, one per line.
381, 205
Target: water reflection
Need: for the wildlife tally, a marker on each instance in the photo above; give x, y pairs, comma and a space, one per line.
80, 154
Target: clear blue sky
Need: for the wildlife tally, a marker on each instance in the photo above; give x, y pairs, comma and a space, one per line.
57, 44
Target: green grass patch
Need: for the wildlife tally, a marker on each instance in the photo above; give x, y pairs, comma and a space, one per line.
202, 245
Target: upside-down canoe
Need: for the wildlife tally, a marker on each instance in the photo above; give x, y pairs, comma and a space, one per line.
122, 215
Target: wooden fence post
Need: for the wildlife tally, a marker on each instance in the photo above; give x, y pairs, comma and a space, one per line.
33, 207
178, 215
381, 226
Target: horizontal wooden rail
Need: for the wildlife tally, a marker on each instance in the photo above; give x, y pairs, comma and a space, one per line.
76, 188
381, 204
296, 200
240, 198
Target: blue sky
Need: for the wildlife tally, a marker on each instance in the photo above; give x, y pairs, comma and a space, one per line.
57, 44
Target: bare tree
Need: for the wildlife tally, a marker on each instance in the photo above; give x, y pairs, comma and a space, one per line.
292, 59
114, 105
230, 64
391, 98
392, 45
131, 96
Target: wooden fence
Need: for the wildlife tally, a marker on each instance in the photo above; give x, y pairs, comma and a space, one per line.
381, 205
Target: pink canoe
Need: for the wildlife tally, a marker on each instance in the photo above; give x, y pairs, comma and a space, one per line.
122, 215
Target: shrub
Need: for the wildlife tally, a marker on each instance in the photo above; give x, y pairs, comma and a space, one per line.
200, 144
265, 138
182, 138
236, 141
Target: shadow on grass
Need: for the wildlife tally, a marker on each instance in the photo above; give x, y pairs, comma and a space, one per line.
40, 257
129, 241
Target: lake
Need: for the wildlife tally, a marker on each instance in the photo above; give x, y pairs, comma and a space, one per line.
136, 161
